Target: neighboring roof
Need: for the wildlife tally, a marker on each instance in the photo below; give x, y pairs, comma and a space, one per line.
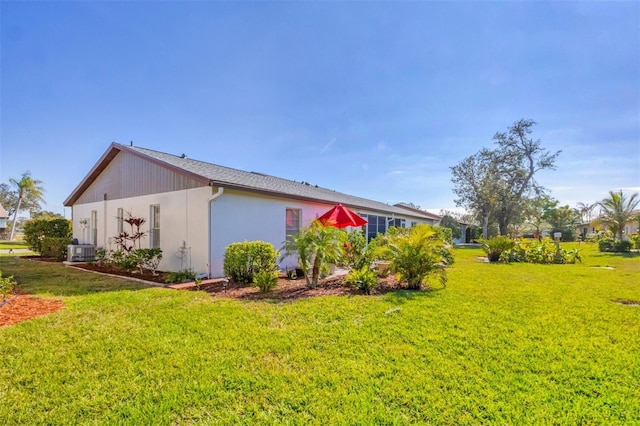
3, 213
418, 211
215, 175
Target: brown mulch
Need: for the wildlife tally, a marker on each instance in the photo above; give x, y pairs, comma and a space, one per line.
297, 289
108, 269
23, 307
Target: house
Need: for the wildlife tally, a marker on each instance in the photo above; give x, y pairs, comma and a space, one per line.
3, 223
194, 209
630, 228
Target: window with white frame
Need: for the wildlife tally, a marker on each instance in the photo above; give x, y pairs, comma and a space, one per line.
293, 219
93, 228
154, 226
119, 221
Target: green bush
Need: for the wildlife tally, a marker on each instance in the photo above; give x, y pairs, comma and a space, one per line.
36, 230
55, 247
615, 246
7, 286
147, 258
416, 254
357, 253
265, 280
494, 247
363, 279
123, 260
635, 240
542, 252
243, 260
182, 276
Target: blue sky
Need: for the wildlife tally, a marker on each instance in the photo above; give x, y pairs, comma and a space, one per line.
376, 99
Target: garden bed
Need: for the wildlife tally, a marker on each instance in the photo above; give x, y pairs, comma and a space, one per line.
297, 289
23, 307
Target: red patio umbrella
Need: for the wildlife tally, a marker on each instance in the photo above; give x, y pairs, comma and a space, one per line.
341, 217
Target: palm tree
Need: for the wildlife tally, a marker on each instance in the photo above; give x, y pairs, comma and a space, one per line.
315, 246
585, 210
617, 211
27, 188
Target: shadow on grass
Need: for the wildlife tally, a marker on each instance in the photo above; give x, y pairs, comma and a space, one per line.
628, 255
55, 279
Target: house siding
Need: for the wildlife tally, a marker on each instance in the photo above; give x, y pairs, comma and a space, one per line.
241, 216
184, 219
128, 176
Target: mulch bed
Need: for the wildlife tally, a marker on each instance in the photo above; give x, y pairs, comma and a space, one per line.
108, 269
23, 307
297, 289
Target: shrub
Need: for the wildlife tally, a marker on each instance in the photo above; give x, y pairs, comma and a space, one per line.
243, 260
542, 252
265, 280
123, 260
147, 258
363, 279
635, 239
357, 253
416, 254
36, 230
7, 286
55, 247
494, 247
315, 246
180, 276
616, 246
595, 237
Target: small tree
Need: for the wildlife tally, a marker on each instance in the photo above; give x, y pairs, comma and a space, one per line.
314, 246
617, 211
28, 189
417, 255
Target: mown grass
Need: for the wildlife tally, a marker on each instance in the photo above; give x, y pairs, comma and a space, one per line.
507, 344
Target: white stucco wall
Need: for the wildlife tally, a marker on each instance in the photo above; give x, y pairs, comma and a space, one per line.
188, 216
183, 217
240, 216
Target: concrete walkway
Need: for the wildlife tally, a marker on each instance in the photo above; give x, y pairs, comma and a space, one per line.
14, 251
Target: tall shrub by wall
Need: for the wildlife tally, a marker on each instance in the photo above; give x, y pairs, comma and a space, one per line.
36, 230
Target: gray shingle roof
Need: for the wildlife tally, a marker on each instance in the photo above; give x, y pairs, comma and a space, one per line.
225, 176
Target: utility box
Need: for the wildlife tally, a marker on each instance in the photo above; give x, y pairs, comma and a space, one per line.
81, 253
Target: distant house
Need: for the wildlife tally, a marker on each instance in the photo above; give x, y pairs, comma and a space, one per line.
587, 228
195, 209
3, 223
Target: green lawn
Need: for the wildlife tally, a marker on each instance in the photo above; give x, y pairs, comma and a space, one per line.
505, 344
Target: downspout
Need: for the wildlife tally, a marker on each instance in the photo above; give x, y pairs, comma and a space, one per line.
104, 221
214, 196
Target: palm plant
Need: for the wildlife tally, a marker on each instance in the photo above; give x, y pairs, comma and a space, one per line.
617, 211
315, 246
417, 255
585, 210
27, 188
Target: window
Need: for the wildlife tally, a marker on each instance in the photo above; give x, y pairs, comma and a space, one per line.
398, 223
154, 226
375, 225
119, 221
94, 228
414, 224
293, 223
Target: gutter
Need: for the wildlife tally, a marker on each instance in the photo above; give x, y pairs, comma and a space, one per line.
214, 196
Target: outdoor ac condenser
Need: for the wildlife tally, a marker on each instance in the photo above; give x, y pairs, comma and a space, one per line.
81, 253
